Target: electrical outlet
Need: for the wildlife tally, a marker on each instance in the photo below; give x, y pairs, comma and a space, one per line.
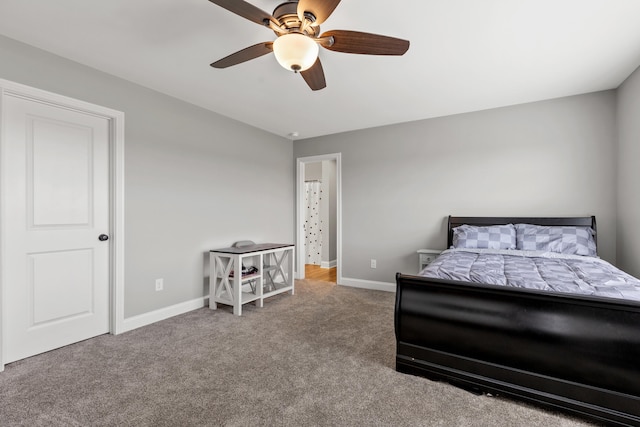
159, 284
373, 263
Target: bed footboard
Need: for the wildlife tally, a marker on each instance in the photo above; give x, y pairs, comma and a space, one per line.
575, 353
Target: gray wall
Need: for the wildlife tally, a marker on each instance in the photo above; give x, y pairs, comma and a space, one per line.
551, 158
192, 177
329, 175
313, 171
628, 241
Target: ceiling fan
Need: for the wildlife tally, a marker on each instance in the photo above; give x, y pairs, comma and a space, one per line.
297, 25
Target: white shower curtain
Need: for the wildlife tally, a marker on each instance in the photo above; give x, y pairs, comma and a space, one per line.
312, 224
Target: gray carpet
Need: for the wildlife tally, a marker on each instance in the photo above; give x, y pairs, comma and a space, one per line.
324, 356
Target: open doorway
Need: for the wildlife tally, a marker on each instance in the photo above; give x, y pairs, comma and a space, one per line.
318, 218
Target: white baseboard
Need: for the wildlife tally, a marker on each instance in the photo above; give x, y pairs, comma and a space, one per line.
145, 319
368, 284
328, 264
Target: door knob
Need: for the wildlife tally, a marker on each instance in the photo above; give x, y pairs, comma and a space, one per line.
103, 237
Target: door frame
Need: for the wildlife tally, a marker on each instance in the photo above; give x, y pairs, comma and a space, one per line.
116, 196
300, 213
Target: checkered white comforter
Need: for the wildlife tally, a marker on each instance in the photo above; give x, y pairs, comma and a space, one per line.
535, 270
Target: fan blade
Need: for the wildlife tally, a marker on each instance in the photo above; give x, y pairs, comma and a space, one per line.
244, 55
244, 9
321, 9
314, 76
364, 43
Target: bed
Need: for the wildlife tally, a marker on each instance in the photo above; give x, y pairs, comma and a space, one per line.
574, 352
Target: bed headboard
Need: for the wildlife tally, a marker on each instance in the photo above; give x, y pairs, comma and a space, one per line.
582, 221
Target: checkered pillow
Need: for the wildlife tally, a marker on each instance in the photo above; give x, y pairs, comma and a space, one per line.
564, 240
491, 237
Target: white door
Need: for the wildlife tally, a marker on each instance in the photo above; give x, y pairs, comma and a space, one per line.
55, 182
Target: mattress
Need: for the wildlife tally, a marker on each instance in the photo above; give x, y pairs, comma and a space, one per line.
548, 271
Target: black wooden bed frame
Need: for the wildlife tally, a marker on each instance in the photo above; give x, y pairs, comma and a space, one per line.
573, 353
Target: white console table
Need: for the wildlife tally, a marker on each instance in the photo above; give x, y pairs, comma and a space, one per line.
273, 274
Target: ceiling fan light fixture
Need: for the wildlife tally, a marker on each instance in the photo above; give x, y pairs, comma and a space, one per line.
295, 51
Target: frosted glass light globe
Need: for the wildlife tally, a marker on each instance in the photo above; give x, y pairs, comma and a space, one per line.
295, 51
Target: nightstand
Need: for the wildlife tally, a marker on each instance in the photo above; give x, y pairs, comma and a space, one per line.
427, 256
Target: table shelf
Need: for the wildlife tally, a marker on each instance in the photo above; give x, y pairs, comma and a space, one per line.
248, 277
277, 291
246, 297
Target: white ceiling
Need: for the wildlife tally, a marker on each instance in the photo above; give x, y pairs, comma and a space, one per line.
465, 55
